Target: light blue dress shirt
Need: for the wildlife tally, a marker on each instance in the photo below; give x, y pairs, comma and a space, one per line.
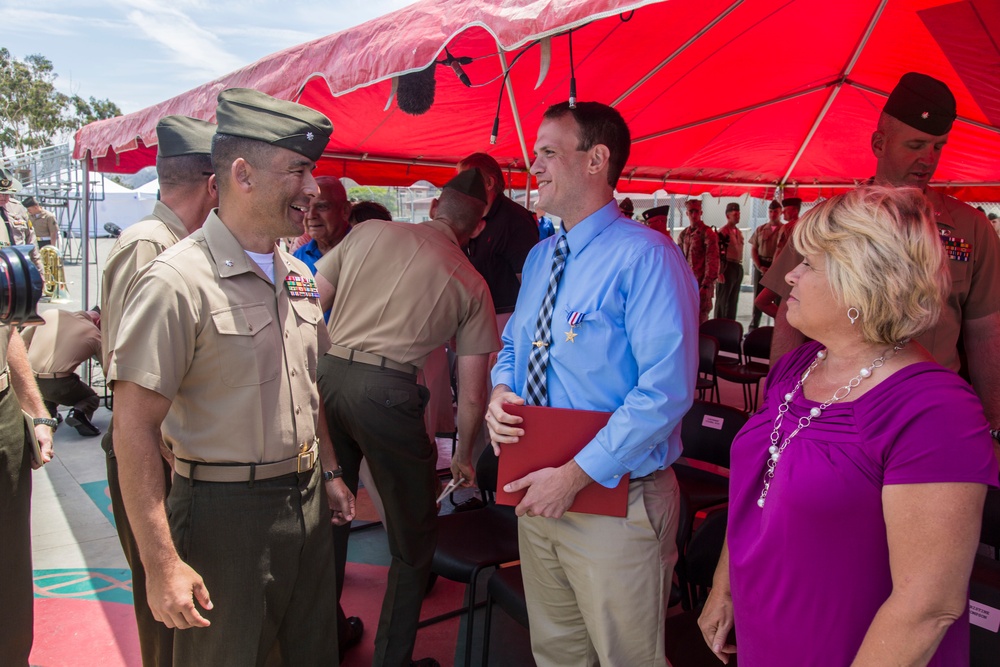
636, 349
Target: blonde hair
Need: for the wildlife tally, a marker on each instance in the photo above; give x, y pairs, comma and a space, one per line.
884, 256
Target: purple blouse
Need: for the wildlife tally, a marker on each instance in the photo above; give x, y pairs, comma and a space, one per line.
810, 569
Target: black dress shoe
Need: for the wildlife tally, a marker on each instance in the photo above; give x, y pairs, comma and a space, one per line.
79, 421
425, 662
349, 634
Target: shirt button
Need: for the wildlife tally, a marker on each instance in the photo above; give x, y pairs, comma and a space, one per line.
617, 476
293, 375
286, 333
388, 402
298, 410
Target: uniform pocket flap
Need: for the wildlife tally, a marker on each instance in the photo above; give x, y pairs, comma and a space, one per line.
241, 320
307, 310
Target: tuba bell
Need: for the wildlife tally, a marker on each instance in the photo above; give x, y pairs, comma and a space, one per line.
55, 276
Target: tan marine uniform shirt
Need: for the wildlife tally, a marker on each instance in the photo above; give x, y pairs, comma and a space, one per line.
973, 251
137, 246
24, 233
765, 240
234, 353
403, 290
45, 224
63, 342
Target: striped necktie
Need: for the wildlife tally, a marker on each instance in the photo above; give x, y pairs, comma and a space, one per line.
538, 360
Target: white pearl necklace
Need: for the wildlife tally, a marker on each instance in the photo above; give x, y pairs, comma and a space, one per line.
775, 450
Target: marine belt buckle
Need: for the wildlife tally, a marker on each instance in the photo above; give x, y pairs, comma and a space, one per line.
307, 457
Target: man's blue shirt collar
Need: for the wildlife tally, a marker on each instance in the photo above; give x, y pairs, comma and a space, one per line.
591, 227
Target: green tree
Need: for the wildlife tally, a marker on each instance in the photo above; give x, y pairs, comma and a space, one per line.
32, 112
382, 195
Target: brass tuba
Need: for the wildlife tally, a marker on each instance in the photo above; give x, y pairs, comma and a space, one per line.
55, 276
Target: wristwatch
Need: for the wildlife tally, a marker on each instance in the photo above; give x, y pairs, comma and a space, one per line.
51, 423
330, 475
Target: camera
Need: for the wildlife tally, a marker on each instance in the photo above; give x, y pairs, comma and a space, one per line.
20, 286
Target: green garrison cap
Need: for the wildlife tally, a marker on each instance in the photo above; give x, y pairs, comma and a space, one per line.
180, 135
251, 114
470, 183
8, 184
923, 103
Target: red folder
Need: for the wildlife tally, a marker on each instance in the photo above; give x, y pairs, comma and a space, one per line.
553, 436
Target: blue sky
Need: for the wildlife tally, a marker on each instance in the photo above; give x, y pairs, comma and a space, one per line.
140, 52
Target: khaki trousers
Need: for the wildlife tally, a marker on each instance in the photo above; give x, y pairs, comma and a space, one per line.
597, 587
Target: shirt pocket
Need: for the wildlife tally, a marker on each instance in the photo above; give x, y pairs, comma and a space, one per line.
308, 317
247, 351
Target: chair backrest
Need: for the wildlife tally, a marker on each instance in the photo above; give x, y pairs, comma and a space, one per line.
707, 432
991, 520
728, 332
486, 473
705, 547
757, 344
708, 350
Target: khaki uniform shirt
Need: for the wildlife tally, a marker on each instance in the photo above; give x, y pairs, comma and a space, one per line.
234, 353
973, 251
137, 246
765, 240
24, 233
63, 342
45, 225
403, 290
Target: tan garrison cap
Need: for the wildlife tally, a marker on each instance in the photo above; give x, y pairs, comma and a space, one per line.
470, 183
251, 114
8, 184
180, 135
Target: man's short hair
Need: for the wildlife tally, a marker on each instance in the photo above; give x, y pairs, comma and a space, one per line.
599, 124
463, 212
226, 148
369, 210
183, 170
488, 168
883, 256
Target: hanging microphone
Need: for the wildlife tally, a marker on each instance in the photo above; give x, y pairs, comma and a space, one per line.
572, 74
456, 66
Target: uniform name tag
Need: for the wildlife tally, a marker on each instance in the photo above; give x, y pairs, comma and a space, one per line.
957, 249
299, 286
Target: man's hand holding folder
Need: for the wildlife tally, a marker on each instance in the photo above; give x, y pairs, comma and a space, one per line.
549, 491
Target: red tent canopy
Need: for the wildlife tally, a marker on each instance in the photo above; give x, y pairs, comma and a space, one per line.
722, 96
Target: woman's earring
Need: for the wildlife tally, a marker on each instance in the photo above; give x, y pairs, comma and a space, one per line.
853, 314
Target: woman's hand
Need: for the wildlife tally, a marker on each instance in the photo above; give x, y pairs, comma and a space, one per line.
716, 621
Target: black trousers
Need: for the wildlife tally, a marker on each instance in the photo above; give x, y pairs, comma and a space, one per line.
265, 553
727, 294
71, 391
377, 414
156, 641
16, 594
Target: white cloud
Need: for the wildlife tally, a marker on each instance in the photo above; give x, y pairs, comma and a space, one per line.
189, 46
